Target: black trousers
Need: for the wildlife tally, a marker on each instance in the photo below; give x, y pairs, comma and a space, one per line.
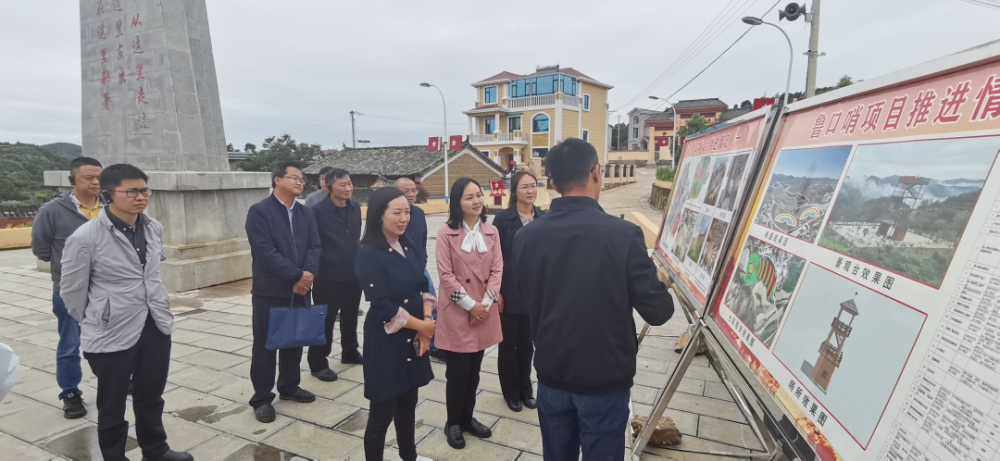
345, 298
462, 375
147, 363
401, 410
514, 357
263, 361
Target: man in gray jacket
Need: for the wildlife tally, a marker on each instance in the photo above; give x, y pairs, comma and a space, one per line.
111, 285
54, 223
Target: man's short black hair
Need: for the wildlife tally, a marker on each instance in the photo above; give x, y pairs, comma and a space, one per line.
282, 169
113, 175
323, 171
75, 164
570, 162
335, 174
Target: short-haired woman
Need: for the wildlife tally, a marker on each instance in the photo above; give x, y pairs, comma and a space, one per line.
514, 356
470, 265
398, 328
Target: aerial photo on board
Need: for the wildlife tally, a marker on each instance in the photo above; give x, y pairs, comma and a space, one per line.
733, 182
800, 190
904, 206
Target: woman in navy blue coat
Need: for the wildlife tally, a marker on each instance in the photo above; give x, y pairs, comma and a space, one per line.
398, 327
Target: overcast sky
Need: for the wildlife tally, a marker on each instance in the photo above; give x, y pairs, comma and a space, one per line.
299, 67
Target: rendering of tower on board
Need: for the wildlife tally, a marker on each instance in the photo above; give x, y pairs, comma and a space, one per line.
831, 352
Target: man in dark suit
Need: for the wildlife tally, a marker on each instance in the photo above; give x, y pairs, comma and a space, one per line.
580, 272
284, 242
339, 221
416, 231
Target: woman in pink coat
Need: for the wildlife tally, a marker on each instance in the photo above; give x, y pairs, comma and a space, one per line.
470, 265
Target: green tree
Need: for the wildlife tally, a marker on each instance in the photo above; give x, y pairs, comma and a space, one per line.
694, 125
250, 147
277, 150
22, 167
619, 136
846, 80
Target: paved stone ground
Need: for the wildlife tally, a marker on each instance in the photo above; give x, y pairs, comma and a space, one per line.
206, 411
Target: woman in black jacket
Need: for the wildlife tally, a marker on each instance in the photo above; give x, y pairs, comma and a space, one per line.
514, 360
398, 327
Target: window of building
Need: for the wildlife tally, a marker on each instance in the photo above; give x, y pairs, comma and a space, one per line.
635, 132
586, 102
548, 84
635, 120
487, 154
513, 123
520, 88
490, 95
586, 135
540, 124
569, 85
489, 126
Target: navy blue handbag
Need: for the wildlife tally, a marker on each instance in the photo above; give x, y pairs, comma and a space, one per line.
296, 326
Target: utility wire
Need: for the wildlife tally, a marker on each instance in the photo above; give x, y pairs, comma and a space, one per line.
720, 55
408, 120
694, 43
984, 3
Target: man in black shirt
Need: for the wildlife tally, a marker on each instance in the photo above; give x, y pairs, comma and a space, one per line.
339, 221
580, 272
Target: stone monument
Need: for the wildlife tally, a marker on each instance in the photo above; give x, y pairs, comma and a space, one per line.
151, 99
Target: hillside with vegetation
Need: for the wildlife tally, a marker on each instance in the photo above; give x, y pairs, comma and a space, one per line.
22, 167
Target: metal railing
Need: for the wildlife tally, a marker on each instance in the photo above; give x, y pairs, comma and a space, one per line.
530, 101
516, 137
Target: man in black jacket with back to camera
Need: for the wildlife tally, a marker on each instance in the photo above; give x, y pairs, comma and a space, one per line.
580, 272
284, 242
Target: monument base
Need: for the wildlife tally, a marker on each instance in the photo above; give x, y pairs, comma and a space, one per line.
203, 216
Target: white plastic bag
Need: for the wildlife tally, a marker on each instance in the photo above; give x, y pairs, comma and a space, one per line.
8, 370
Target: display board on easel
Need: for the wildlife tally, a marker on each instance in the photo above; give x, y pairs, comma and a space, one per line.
861, 290
710, 182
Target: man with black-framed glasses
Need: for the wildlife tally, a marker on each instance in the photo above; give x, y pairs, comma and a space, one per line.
111, 285
285, 245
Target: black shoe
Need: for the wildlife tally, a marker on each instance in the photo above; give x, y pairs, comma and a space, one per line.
438, 354
455, 438
514, 405
264, 413
530, 403
73, 406
172, 455
477, 429
326, 374
355, 360
300, 395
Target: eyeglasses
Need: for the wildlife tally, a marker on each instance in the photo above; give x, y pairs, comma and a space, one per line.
297, 179
134, 193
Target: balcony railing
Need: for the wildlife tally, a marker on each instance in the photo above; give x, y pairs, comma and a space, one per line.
571, 101
516, 137
841, 327
830, 352
530, 101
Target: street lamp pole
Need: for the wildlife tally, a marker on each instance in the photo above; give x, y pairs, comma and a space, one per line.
791, 55
444, 137
673, 142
